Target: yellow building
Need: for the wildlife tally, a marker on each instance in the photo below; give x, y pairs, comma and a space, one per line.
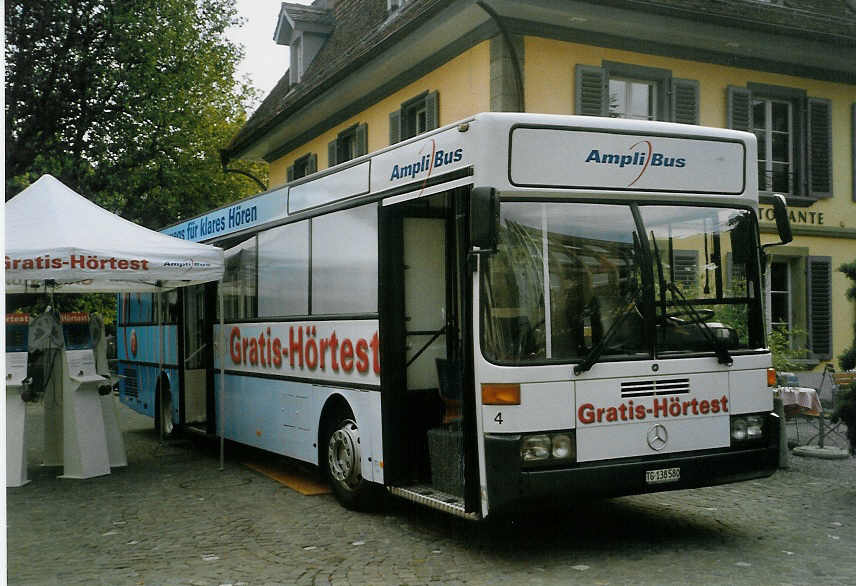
368, 73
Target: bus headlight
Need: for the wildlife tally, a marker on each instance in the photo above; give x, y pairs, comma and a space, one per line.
746, 428
548, 448
535, 448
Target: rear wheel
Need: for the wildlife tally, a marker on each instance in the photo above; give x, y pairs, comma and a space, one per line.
163, 407
342, 463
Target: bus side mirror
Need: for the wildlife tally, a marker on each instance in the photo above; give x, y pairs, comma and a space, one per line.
783, 224
484, 218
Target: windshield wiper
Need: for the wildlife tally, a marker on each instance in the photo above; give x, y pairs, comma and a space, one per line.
596, 352
722, 354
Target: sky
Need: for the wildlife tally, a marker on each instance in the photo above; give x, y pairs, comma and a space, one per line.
265, 62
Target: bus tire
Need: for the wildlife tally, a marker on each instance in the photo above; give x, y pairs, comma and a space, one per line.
341, 463
163, 406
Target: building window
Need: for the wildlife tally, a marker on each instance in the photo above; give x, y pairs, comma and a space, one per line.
794, 139
685, 265
303, 166
415, 116
772, 123
349, 144
622, 90
632, 98
780, 296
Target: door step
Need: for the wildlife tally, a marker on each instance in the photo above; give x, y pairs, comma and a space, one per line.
435, 499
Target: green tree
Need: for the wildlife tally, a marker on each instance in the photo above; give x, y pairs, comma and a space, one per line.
847, 360
126, 101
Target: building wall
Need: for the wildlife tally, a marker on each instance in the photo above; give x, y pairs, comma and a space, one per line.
463, 84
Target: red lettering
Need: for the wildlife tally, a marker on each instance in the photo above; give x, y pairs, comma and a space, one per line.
623, 410
254, 351
375, 345
612, 414
311, 354
145, 265
362, 356
235, 345
77, 261
585, 414
640, 411
600, 411
56, 263
334, 349
704, 407
324, 343
714, 406
295, 346
661, 406
724, 401
695, 406
262, 348
277, 353
123, 264
347, 357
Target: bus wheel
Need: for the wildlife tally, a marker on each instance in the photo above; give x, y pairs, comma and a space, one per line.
163, 407
342, 468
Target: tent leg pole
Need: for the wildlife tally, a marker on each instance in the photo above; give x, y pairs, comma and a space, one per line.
158, 387
222, 373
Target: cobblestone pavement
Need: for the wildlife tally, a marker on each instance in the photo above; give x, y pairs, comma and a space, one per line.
172, 517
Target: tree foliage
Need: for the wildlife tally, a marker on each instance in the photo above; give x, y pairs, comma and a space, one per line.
126, 101
847, 360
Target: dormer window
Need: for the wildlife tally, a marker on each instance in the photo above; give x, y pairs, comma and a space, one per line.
304, 29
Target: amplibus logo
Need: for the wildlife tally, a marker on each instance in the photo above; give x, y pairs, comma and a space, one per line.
326, 350
661, 408
641, 154
427, 161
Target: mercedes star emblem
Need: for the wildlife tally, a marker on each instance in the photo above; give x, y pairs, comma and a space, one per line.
657, 437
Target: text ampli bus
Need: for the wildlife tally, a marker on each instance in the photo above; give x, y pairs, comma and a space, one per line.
513, 310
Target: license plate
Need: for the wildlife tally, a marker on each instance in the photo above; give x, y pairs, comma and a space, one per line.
662, 475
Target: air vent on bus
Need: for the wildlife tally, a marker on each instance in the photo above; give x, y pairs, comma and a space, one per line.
130, 379
648, 388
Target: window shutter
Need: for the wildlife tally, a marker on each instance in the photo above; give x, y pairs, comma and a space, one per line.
819, 148
820, 305
362, 138
312, 164
332, 148
739, 108
591, 93
290, 174
395, 127
684, 101
432, 113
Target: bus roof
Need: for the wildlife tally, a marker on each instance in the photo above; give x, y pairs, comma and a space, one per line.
512, 151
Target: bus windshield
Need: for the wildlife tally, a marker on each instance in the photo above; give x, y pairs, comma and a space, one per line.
620, 281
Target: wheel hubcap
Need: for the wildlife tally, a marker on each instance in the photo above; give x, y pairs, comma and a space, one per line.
343, 454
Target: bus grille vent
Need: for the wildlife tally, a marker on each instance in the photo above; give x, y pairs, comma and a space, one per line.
649, 388
130, 381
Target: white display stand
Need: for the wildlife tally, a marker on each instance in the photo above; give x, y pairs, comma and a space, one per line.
85, 453
16, 420
115, 441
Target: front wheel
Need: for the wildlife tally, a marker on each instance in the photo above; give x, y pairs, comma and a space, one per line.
342, 464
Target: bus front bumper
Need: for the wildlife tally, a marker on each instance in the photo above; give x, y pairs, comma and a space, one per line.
511, 487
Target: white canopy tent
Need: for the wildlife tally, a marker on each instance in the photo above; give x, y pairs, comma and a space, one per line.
54, 234
58, 241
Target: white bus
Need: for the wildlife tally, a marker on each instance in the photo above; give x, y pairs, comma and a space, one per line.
515, 310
